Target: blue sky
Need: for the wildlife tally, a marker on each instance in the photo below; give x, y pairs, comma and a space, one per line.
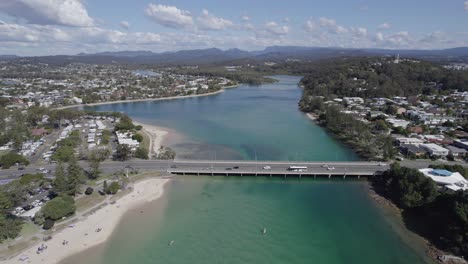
42, 27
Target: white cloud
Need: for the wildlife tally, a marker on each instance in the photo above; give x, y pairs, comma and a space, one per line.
399, 39
331, 25
245, 18
359, 32
209, 22
466, 5
384, 26
379, 37
310, 25
276, 29
169, 16
125, 24
49, 12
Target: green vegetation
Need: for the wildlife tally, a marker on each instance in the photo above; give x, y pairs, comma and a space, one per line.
124, 124
138, 137
59, 207
95, 158
10, 227
371, 142
166, 153
12, 195
66, 147
441, 217
113, 188
375, 77
141, 153
106, 135
12, 158
123, 152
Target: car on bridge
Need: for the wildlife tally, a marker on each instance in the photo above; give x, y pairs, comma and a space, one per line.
267, 168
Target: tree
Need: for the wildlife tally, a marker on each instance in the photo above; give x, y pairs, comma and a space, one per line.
60, 182
113, 188
141, 153
381, 126
60, 206
123, 152
5, 203
138, 137
9, 227
95, 158
75, 177
11, 158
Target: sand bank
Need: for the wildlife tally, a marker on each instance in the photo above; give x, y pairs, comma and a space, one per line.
83, 234
156, 135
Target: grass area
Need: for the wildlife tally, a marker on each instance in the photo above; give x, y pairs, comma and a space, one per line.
146, 140
88, 201
144, 175
28, 229
17, 248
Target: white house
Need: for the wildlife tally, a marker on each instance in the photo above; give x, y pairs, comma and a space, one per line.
450, 180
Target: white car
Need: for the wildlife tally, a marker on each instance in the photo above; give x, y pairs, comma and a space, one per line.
330, 168
382, 164
324, 166
267, 168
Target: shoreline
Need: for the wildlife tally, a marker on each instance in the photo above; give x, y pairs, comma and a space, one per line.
149, 99
157, 136
387, 207
83, 233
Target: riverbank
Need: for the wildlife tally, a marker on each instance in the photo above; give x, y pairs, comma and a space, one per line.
93, 229
150, 99
434, 254
157, 136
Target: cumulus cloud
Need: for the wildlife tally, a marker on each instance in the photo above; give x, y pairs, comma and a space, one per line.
169, 16
466, 5
384, 26
125, 24
359, 32
48, 12
276, 29
331, 26
245, 18
209, 22
310, 25
399, 39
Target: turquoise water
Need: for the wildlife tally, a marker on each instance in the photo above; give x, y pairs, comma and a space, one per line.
220, 220
241, 123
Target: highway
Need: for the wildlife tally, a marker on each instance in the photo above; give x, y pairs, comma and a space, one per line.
232, 167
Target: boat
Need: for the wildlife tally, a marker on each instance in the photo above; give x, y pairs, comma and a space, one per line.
170, 243
264, 231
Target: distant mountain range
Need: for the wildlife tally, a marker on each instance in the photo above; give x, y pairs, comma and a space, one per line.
218, 56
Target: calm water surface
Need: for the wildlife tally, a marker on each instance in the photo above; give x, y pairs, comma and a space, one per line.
219, 220
241, 123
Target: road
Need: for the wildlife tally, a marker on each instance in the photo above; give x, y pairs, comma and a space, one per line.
208, 166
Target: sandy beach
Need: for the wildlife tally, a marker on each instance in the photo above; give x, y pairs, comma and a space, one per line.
83, 234
156, 135
148, 99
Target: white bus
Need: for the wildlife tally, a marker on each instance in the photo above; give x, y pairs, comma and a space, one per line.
297, 168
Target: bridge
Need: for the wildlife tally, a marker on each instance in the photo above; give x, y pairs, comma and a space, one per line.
275, 168
236, 168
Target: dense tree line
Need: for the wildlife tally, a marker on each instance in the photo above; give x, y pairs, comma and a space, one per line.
369, 141
377, 77
442, 217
